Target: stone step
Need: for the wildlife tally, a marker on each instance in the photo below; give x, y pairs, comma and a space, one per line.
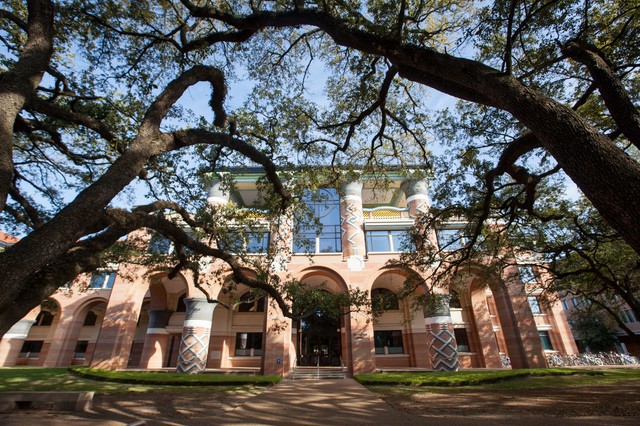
315, 373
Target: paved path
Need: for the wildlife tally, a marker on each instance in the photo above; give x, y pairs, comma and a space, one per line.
306, 402
303, 402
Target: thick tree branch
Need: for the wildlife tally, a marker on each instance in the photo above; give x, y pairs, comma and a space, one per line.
20, 82
613, 92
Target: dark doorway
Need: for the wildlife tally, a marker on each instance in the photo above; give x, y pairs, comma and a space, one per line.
319, 340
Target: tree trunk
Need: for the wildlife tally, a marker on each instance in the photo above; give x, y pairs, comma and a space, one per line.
19, 83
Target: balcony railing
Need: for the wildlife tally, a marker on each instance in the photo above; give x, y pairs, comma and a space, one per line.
385, 213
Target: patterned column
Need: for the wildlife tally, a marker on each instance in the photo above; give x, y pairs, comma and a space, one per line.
351, 225
194, 346
156, 341
416, 192
12, 342
443, 349
281, 241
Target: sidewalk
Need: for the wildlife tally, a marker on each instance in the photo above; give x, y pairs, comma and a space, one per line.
306, 402
302, 402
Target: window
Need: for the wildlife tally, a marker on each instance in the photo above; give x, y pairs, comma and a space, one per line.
159, 244
526, 274
454, 301
90, 319
383, 299
81, 349
249, 303
257, 242
534, 303
628, 316
565, 305
31, 349
248, 344
44, 319
450, 239
546, 341
388, 342
386, 240
325, 206
462, 339
102, 280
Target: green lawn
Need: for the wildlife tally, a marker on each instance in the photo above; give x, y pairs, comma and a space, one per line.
60, 379
506, 379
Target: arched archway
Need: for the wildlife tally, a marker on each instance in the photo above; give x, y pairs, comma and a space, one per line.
321, 333
399, 333
159, 329
37, 343
504, 322
86, 329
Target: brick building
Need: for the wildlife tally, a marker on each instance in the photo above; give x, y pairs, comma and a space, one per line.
132, 317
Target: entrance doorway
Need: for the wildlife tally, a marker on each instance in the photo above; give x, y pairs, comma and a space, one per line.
319, 340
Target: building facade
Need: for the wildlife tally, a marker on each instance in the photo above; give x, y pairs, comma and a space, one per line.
129, 316
625, 344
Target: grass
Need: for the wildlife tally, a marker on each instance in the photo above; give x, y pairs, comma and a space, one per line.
497, 380
85, 379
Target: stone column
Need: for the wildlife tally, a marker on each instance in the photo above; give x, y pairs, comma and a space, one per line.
12, 342
216, 194
417, 194
118, 328
281, 241
518, 324
443, 349
194, 346
156, 342
352, 225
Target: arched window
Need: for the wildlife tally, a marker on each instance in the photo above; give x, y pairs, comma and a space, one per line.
454, 302
249, 303
384, 300
182, 306
90, 319
44, 319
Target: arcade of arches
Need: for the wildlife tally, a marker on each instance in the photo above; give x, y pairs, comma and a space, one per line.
139, 319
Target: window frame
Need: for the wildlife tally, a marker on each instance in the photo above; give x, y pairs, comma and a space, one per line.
79, 354
45, 318
393, 238
388, 298
386, 336
91, 323
28, 346
545, 340
534, 305
527, 274
462, 335
108, 280
253, 307
252, 342
456, 242
326, 211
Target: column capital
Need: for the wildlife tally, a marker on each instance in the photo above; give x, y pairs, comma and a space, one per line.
352, 189
199, 312
417, 193
19, 330
218, 192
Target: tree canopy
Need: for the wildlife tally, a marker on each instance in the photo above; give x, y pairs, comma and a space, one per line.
92, 93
